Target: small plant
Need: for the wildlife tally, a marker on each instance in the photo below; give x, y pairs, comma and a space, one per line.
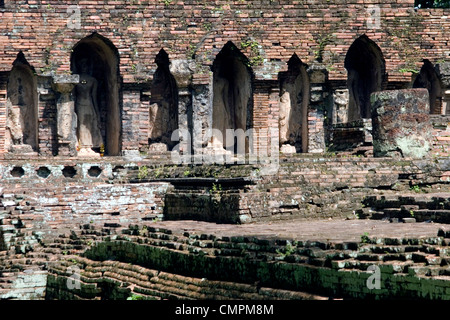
135, 297
411, 70
322, 41
102, 150
216, 188
256, 58
411, 213
415, 188
365, 238
186, 173
207, 26
143, 231
288, 249
143, 172
158, 173
215, 192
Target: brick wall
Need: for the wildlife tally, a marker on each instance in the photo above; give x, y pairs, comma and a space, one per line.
48, 198
441, 134
74, 193
281, 28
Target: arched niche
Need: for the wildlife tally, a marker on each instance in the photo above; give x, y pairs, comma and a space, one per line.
96, 59
232, 96
428, 79
294, 102
163, 112
22, 107
366, 70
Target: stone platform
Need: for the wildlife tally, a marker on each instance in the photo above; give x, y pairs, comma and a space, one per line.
332, 230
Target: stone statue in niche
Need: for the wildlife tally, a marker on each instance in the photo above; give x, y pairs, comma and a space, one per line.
14, 123
221, 116
86, 107
341, 100
158, 126
285, 114
292, 106
446, 103
20, 120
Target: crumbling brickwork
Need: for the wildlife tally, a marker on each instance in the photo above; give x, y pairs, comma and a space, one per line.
267, 33
114, 81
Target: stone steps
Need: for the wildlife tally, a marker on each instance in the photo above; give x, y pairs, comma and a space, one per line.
427, 257
408, 208
159, 285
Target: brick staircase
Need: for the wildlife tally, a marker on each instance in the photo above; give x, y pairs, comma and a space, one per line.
28, 245
410, 265
413, 207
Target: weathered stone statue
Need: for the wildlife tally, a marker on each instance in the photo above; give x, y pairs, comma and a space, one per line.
341, 100
221, 114
21, 109
86, 107
14, 123
285, 115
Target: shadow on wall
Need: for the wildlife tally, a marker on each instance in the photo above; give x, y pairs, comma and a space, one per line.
232, 95
366, 70
428, 79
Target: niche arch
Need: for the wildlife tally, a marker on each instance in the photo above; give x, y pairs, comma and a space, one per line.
102, 58
294, 102
22, 107
232, 96
429, 79
366, 69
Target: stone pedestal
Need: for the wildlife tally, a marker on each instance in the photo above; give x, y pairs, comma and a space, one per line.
201, 118
446, 103
23, 150
401, 126
158, 148
181, 138
287, 148
66, 116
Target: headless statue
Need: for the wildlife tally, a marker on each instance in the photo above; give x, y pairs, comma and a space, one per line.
88, 131
14, 123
